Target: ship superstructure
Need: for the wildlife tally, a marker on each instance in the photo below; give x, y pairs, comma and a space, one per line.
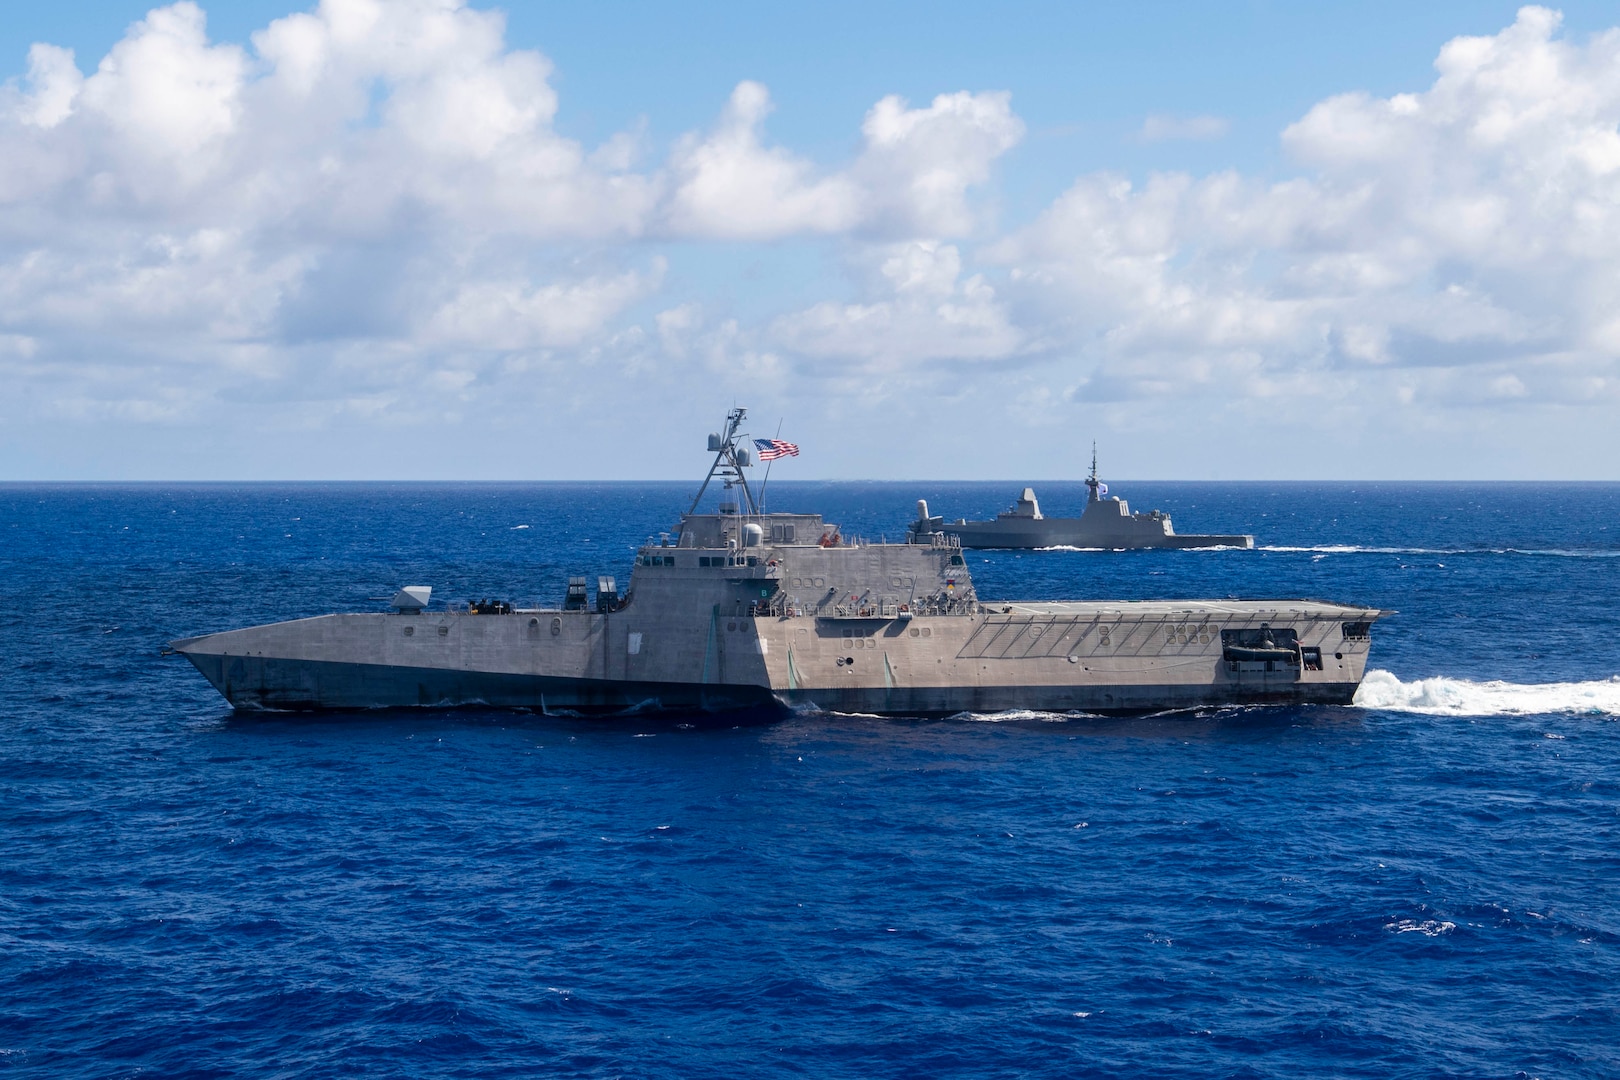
741, 608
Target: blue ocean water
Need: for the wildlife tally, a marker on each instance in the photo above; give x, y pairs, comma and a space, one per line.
1425, 884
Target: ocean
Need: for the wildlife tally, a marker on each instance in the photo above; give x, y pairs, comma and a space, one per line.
1424, 884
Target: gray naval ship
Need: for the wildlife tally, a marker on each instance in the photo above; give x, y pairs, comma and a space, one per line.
742, 609
1104, 523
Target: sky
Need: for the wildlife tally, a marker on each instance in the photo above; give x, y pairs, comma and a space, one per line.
427, 239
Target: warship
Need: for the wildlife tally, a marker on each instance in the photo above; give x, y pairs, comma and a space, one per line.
1106, 522
743, 609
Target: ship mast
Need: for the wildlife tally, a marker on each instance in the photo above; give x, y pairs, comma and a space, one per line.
729, 462
1091, 481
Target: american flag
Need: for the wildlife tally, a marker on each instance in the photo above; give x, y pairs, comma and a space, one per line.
771, 449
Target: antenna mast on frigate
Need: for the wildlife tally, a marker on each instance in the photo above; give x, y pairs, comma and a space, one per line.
729, 462
1091, 481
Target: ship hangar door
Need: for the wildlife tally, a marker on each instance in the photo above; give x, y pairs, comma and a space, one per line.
1261, 655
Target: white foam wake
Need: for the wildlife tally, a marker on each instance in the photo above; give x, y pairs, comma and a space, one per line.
1460, 697
1357, 549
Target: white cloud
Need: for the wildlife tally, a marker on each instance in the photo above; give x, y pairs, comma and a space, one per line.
918, 164
911, 177
514, 315
1468, 227
367, 213
925, 313
389, 173
163, 90
54, 84
730, 185
368, 171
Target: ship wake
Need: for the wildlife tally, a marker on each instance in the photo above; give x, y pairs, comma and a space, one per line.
1357, 549
1441, 696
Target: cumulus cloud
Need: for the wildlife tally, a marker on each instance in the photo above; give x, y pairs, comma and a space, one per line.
515, 315
912, 176
367, 211
927, 313
386, 178
1473, 227
730, 185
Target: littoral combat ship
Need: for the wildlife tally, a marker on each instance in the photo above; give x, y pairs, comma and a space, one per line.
743, 609
1104, 523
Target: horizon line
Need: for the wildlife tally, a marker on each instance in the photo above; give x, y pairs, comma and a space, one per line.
85, 482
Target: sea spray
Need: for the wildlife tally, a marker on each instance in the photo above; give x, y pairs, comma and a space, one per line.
1441, 696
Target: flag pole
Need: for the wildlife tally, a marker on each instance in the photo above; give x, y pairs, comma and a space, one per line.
768, 465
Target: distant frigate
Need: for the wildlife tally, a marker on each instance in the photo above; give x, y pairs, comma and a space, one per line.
1104, 523
740, 609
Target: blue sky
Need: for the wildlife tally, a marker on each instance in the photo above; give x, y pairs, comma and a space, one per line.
410, 240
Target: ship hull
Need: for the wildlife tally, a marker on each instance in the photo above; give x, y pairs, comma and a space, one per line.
1092, 700
1105, 523
1066, 533
1061, 657
258, 684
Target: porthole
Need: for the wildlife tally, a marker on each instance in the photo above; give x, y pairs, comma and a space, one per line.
915, 631
927, 632
409, 630
444, 631
556, 627
731, 626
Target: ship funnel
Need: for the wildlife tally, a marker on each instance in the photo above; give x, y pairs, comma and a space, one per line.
411, 599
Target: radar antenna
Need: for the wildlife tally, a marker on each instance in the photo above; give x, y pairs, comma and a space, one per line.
729, 462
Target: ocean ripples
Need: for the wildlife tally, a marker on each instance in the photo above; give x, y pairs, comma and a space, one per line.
1421, 885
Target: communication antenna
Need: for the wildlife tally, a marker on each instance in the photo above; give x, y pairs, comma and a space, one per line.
729, 462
